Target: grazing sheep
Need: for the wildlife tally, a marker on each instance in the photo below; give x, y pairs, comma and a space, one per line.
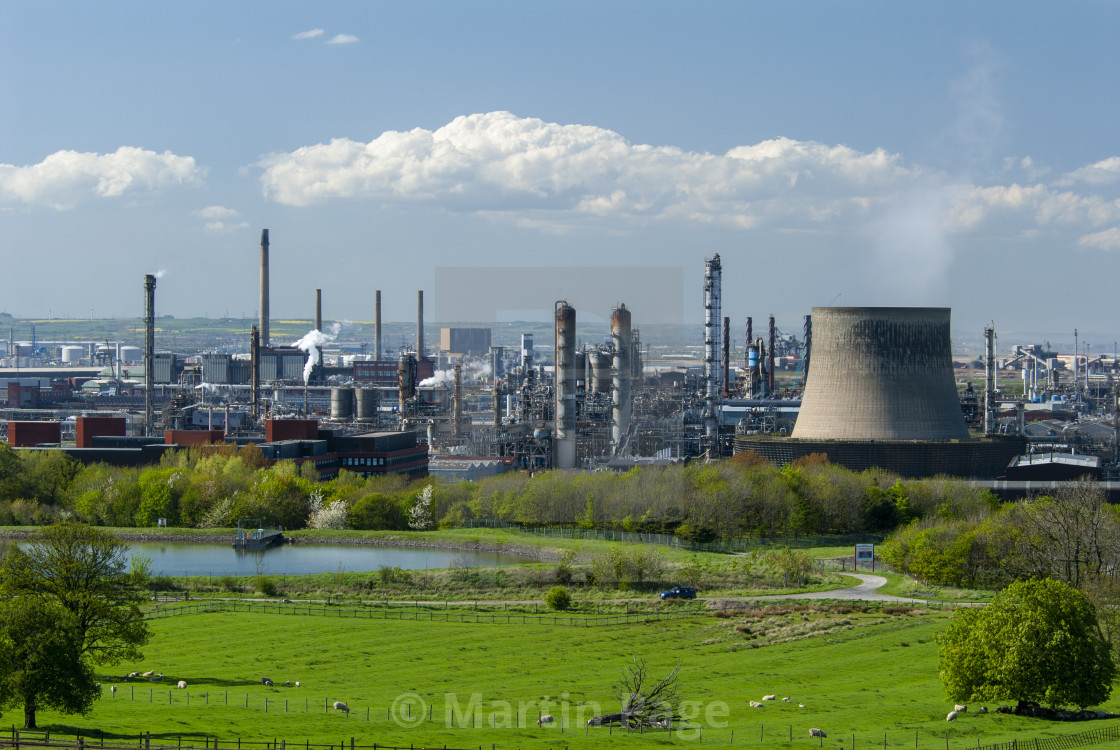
297, 683
266, 681
340, 706
814, 732
663, 723
182, 684
801, 705
960, 709
952, 715
133, 674
287, 683
546, 719
156, 678
149, 673
113, 689
756, 704
786, 699
983, 709
769, 697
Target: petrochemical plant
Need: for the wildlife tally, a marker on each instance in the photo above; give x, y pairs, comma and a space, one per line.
864, 386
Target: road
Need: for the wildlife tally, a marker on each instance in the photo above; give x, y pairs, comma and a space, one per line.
867, 590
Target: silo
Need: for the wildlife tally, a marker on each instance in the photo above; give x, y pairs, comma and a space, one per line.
600, 371
620, 399
73, 354
131, 355
881, 373
342, 403
564, 446
366, 401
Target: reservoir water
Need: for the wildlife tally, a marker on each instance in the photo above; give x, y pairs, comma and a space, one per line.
189, 559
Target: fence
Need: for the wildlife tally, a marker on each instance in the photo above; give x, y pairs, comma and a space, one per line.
1092, 737
26, 739
430, 615
731, 545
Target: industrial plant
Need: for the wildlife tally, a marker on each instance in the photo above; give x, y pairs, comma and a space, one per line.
864, 386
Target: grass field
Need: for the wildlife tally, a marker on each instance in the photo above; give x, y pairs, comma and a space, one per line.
865, 677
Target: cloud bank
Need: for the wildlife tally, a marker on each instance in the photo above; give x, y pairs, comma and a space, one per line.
66, 179
536, 173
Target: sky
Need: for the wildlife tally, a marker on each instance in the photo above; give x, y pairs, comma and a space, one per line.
954, 154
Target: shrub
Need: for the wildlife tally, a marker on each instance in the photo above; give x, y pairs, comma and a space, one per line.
266, 585
228, 583
558, 598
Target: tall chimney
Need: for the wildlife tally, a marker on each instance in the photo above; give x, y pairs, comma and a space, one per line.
254, 374
420, 324
457, 406
564, 444
620, 396
712, 277
264, 288
377, 325
149, 350
318, 309
726, 364
770, 359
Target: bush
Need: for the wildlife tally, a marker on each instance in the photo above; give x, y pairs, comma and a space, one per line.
228, 583
558, 598
266, 585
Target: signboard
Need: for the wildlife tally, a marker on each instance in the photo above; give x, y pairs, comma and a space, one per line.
865, 553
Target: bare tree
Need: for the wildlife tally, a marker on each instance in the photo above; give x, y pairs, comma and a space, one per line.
1070, 536
646, 702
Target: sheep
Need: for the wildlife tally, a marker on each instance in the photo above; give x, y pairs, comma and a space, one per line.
952, 716
960, 709
814, 732
287, 683
786, 699
546, 719
113, 690
149, 673
156, 677
133, 674
266, 681
769, 697
756, 704
97, 685
801, 705
297, 683
983, 709
182, 684
340, 706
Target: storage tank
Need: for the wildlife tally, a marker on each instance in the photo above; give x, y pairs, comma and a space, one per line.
132, 355
600, 371
367, 400
73, 354
342, 403
881, 373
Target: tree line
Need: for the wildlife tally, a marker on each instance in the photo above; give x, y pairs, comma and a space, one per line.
739, 497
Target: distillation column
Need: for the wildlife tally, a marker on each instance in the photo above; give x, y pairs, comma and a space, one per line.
620, 398
264, 289
150, 351
712, 273
564, 446
990, 408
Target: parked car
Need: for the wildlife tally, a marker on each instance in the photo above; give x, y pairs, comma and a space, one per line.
679, 592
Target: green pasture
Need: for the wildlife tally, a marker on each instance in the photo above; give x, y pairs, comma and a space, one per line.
865, 676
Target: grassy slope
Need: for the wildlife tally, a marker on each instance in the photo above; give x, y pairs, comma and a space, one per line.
860, 680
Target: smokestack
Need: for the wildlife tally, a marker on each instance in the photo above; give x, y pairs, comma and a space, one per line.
457, 409
318, 309
726, 356
254, 373
149, 350
620, 399
264, 288
770, 360
420, 324
497, 405
712, 278
564, 446
750, 340
990, 410
377, 325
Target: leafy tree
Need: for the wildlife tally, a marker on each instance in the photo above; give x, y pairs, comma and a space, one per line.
377, 511
1037, 641
420, 514
40, 664
85, 571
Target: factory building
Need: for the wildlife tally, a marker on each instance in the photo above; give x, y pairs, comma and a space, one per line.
473, 342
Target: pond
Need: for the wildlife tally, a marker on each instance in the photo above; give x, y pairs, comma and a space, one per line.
207, 559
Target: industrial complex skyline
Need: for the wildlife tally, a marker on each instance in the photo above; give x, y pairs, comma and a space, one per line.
869, 154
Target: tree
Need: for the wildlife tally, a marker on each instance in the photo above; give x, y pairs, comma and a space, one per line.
420, 514
85, 572
40, 663
646, 702
1038, 641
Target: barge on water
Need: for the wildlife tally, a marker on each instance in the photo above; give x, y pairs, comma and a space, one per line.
252, 535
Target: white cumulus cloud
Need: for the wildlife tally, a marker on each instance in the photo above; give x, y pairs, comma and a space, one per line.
309, 34
1101, 173
342, 39
65, 179
499, 163
1109, 239
221, 219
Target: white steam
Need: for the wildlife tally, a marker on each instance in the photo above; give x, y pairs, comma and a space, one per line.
311, 342
446, 378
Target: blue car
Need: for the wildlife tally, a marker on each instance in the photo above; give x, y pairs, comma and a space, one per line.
679, 592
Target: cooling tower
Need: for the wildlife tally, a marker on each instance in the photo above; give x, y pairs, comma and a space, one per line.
881, 373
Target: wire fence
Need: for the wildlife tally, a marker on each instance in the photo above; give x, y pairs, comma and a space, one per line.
1082, 739
406, 612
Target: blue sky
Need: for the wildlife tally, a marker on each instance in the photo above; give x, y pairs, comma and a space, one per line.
958, 154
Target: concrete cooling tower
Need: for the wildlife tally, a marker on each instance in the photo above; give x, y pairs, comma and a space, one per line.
881, 373
880, 392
